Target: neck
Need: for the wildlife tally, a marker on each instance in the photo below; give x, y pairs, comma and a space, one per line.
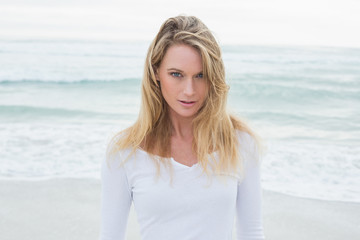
182, 126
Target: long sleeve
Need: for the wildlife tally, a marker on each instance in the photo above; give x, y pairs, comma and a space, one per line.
115, 201
248, 205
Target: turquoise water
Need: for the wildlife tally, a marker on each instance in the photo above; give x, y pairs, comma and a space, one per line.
60, 101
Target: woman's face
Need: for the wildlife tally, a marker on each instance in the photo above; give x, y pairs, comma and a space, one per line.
181, 80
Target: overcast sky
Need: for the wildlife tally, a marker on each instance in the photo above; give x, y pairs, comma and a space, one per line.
268, 22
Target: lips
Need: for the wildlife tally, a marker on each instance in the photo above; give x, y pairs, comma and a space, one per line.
187, 103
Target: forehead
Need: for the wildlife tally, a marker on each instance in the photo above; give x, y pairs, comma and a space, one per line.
182, 57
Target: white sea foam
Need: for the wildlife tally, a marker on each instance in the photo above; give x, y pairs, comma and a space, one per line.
313, 169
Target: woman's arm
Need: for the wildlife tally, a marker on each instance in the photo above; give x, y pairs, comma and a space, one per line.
248, 205
115, 201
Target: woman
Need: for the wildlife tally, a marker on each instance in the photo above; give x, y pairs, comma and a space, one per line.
189, 167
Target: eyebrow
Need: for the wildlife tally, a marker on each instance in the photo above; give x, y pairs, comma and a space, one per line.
174, 69
178, 70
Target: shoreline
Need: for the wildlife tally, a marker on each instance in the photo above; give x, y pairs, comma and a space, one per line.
70, 209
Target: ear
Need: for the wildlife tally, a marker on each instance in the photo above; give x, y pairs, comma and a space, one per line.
156, 71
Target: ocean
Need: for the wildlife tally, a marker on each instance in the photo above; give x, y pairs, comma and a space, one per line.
61, 101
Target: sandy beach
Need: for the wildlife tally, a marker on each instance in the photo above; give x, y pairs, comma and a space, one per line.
68, 209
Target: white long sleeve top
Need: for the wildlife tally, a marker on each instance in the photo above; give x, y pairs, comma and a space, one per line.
189, 208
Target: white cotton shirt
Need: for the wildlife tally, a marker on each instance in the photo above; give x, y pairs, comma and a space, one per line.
191, 207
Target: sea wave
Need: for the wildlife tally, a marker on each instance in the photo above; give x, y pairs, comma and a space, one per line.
68, 81
318, 121
272, 91
58, 103
38, 112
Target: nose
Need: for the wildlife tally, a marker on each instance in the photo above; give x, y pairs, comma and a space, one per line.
189, 88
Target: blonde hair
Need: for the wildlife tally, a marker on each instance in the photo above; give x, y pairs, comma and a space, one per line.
214, 128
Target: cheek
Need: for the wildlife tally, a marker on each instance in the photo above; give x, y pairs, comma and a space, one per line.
167, 88
204, 90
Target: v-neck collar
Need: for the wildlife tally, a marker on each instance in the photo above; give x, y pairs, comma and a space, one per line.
174, 162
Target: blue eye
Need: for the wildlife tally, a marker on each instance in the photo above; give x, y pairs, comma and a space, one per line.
200, 75
175, 74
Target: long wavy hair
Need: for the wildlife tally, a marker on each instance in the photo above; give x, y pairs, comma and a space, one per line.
214, 129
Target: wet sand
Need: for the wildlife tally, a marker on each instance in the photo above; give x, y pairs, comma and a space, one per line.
69, 209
